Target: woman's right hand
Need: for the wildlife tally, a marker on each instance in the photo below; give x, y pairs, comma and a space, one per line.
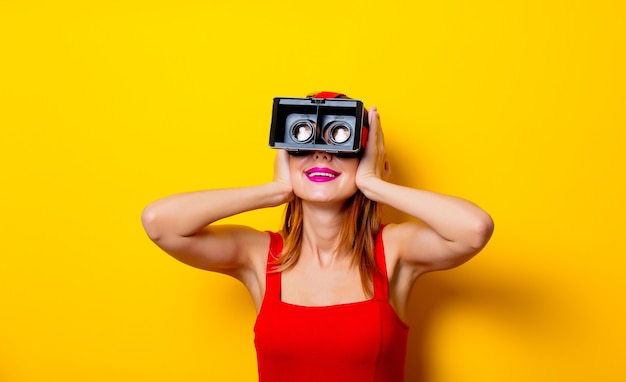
282, 176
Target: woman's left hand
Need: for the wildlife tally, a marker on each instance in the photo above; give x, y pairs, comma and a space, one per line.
374, 163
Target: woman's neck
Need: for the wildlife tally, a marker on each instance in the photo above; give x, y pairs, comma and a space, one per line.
321, 231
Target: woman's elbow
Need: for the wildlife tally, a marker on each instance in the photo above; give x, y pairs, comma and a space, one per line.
151, 223
482, 229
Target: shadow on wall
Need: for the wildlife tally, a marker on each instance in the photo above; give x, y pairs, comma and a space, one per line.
517, 311
527, 311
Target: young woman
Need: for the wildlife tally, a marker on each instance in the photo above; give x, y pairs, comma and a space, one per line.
331, 288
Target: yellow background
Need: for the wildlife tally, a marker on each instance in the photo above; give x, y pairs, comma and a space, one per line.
106, 106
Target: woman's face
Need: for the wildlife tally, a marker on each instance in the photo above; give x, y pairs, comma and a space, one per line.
323, 177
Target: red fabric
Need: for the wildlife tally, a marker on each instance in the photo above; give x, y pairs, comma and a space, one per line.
364, 134
361, 341
328, 95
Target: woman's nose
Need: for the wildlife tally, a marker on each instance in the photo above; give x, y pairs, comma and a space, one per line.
322, 155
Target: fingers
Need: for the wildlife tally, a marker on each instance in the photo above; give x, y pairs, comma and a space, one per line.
370, 115
382, 165
282, 155
375, 128
374, 157
281, 164
373, 119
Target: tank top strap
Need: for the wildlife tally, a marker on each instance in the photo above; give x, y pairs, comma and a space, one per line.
272, 277
381, 280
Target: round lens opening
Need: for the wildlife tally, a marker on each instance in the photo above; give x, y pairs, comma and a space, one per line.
302, 130
338, 133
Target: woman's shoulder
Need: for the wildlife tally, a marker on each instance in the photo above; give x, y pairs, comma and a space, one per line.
392, 233
396, 237
396, 233
255, 241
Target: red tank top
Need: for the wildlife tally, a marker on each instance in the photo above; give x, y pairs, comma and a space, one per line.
360, 341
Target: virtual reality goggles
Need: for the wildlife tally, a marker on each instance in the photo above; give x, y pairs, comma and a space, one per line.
322, 122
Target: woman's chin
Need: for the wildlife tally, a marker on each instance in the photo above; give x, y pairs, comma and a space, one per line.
325, 198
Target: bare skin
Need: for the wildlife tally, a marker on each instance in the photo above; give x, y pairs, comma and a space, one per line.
448, 230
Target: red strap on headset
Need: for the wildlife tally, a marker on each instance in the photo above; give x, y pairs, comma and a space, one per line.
364, 134
328, 95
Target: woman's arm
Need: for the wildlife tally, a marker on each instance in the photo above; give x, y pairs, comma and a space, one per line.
453, 229
182, 224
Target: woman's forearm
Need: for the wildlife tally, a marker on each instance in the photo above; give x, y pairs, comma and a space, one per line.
187, 213
453, 218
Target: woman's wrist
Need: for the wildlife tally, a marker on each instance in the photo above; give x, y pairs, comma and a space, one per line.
279, 193
369, 186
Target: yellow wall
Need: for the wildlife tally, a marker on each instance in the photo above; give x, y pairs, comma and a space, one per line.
106, 106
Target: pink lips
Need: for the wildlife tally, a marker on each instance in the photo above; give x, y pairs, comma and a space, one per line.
321, 174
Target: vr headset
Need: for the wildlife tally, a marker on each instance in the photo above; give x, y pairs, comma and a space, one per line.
323, 122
